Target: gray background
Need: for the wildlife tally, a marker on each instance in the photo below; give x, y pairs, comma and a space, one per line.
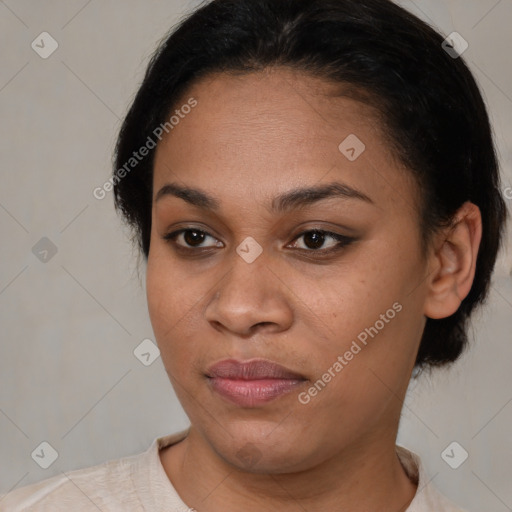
70, 324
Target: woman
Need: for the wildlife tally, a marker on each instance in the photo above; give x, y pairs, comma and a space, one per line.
314, 188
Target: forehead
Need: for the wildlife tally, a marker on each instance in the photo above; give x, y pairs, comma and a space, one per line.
270, 131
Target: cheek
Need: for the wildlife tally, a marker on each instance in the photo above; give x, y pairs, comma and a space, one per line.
361, 380
171, 292
159, 295
380, 329
163, 293
348, 298
174, 303
365, 310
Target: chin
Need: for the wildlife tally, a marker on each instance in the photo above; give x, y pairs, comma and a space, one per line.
263, 450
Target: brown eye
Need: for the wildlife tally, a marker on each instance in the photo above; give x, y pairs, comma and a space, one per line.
191, 238
317, 240
314, 239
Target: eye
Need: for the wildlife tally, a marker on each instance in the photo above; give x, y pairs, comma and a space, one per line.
315, 239
190, 238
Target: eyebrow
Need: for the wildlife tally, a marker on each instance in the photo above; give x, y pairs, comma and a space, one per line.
280, 204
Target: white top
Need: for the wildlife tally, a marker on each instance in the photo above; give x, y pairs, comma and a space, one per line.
139, 483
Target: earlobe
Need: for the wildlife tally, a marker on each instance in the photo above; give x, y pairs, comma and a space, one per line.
454, 262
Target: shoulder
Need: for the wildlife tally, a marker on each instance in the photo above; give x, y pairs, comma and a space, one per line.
103, 487
427, 498
130, 484
433, 500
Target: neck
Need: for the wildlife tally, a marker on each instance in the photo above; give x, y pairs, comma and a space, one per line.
366, 476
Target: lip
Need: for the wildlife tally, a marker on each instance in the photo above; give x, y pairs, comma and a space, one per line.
252, 383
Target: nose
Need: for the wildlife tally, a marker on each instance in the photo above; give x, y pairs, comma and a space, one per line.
249, 298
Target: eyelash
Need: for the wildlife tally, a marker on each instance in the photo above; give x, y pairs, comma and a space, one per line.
343, 241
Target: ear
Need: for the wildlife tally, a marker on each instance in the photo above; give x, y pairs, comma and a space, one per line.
453, 263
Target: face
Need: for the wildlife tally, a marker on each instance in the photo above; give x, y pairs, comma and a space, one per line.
285, 276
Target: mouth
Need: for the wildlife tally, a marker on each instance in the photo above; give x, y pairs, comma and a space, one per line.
252, 383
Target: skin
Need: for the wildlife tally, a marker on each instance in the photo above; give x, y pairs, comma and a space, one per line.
249, 139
